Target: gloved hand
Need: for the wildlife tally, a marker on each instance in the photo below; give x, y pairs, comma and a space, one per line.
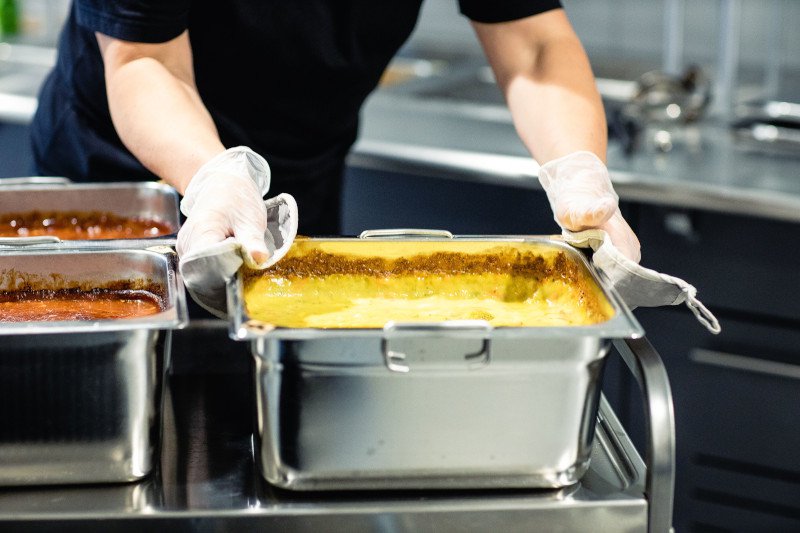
228, 222
225, 199
622, 236
582, 197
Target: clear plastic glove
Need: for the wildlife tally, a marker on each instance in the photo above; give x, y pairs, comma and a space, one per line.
582, 197
623, 237
228, 223
206, 271
225, 199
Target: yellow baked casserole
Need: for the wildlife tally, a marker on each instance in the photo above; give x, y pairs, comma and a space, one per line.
364, 284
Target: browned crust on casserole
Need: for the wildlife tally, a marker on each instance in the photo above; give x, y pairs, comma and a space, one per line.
316, 263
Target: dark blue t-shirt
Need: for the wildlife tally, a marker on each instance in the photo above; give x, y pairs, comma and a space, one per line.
284, 77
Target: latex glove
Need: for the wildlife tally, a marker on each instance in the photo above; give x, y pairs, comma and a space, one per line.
582, 197
228, 223
623, 237
206, 271
225, 199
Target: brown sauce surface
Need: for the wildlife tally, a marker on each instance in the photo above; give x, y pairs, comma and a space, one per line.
98, 304
80, 225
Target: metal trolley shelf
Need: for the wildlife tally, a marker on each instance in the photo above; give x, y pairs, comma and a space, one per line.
208, 480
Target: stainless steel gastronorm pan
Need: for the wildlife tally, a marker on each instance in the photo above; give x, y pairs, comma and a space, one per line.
80, 401
126, 199
438, 405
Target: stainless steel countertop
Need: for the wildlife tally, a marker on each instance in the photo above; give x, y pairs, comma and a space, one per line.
478, 142
405, 129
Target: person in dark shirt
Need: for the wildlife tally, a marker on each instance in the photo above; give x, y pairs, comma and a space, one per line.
220, 98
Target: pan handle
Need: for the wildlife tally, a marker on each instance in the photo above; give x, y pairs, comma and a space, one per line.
649, 371
405, 233
29, 241
397, 361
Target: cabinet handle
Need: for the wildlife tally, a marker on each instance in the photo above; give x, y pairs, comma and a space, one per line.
741, 362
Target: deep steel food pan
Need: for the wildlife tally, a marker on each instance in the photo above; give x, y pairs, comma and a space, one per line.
81, 400
134, 200
454, 404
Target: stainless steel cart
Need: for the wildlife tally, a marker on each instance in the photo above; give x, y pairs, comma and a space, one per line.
208, 481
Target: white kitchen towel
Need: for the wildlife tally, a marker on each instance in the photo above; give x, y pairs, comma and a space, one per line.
639, 286
206, 272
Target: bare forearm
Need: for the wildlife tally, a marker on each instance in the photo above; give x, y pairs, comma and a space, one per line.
161, 120
156, 109
546, 78
555, 106
545, 75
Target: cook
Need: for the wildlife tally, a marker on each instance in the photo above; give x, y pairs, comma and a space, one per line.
219, 99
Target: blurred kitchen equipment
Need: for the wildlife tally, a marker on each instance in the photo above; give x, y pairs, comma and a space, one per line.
662, 106
768, 126
421, 405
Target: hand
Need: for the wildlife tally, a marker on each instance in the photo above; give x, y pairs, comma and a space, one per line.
224, 200
622, 236
582, 197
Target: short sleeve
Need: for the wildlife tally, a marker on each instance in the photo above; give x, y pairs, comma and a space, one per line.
144, 21
504, 10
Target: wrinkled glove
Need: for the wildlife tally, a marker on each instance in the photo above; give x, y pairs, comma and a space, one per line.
228, 223
639, 286
582, 197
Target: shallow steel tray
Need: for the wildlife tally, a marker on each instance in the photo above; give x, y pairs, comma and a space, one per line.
126, 199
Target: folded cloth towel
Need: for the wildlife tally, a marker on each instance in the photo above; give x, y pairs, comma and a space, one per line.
639, 286
207, 271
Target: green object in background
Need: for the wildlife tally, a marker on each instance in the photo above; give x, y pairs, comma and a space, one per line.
9, 21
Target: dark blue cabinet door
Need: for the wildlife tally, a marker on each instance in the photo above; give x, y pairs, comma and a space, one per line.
737, 394
374, 199
16, 157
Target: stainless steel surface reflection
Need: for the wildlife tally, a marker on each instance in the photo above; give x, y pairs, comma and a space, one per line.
524, 420
207, 478
80, 408
67, 502
80, 401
